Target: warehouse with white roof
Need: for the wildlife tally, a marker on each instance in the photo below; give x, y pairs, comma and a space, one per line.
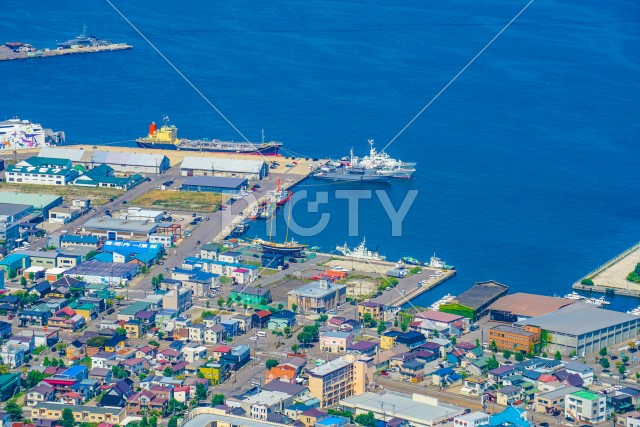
121, 162
214, 166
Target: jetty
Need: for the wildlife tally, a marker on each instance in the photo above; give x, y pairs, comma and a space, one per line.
611, 277
7, 53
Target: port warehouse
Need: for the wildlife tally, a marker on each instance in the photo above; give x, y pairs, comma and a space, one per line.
520, 306
121, 229
121, 162
474, 302
215, 184
584, 328
212, 166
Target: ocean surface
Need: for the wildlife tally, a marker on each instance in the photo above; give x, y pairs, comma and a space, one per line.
527, 163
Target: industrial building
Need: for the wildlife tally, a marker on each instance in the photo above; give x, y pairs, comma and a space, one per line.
123, 162
120, 229
520, 306
215, 184
584, 328
10, 212
104, 272
474, 302
40, 202
41, 171
418, 410
215, 166
104, 176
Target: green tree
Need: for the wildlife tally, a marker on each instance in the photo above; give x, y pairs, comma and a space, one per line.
121, 331
271, 363
217, 399
519, 356
154, 343
46, 362
557, 356
492, 363
381, 328
118, 372
404, 325
153, 422
454, 340
14, 410
144, 422
295, 348
23, 282
220, 302
12, 274
97, 341
625, 359
201, 392
34, 378
477, 342
493, 346
173, 421
323, 318
366, 420
603, 351
67, 419
622, 369
91, 254
506, 354
32, 276
605, 363
294, 308
167, 372
367, 319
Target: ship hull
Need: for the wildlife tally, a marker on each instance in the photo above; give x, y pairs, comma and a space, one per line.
285, 200
263, 151
353, 178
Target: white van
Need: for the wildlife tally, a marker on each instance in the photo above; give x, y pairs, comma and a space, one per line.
261, 334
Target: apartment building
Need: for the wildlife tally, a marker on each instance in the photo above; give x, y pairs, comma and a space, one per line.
338, 379
512, 338
586, 406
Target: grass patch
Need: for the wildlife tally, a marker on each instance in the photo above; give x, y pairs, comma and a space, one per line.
98, 196
180, 201
268, 272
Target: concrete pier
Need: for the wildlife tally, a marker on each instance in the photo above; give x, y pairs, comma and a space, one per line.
612, 275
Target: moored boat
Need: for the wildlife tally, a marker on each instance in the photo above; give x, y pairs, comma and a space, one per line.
166, 138
360, 252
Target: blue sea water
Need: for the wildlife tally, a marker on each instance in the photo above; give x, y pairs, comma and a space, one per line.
527, 163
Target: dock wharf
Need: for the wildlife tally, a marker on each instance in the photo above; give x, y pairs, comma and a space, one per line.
7, 54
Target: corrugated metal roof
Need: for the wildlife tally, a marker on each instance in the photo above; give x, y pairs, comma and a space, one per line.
73, 154
529, 305
106, 157
579, 318
222, 165
215, 181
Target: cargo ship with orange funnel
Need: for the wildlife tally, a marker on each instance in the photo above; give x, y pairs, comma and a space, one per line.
166, 138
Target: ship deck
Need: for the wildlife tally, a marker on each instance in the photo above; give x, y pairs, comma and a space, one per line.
7, 54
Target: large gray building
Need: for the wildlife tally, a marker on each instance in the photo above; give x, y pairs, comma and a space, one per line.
122, 162
218, 166
584, 328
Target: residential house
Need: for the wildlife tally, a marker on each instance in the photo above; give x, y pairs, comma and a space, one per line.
374, 309
81, 413
215, 334
411, 339
335, 342
412, 371
508, 395
43, 392
146, 401
388, 339
586, 406
585, 371
474, 386
282, 319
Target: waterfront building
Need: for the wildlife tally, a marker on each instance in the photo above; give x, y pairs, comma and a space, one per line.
41, 171
214, 184
104, 272
217, 166
582, 328
124, 162
474, 302
521, 306
317, 297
